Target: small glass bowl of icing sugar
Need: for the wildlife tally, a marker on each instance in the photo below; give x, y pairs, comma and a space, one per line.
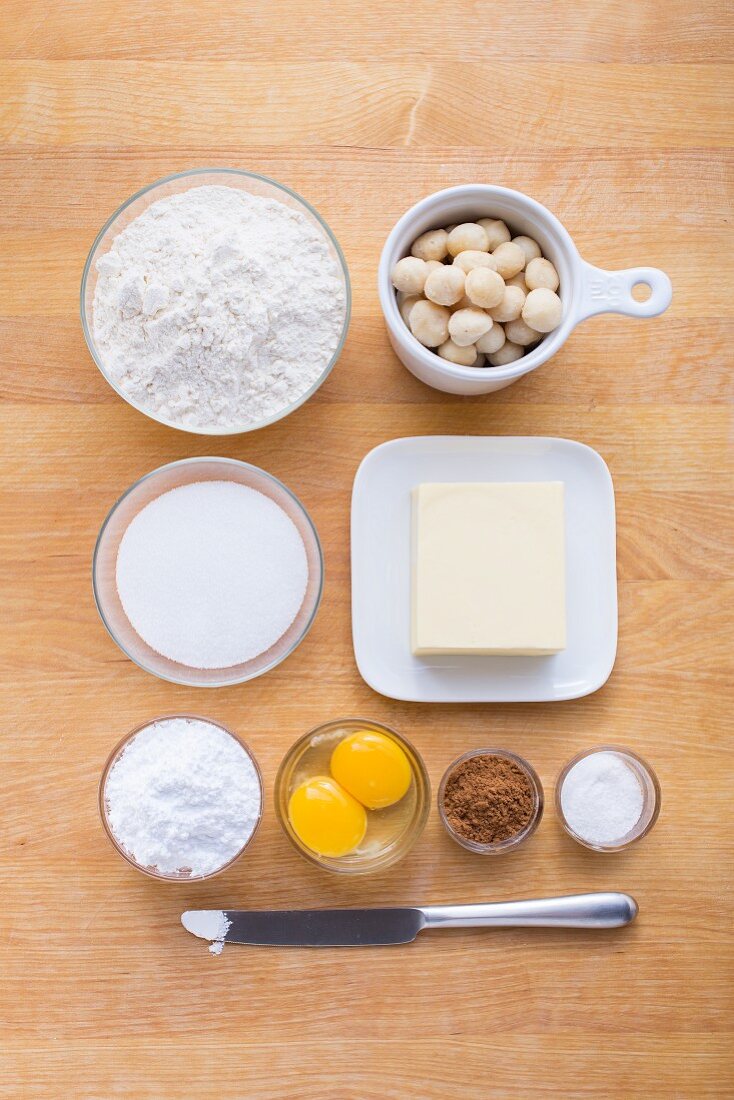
181, 798
607, 798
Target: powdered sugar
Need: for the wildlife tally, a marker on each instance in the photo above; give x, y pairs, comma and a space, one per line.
211, 574
217, 309
208, 924
184, 796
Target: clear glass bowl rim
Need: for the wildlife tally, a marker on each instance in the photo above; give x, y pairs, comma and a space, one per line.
642, 763
89, 338
190, 462
111, 759
415, 829
512, 841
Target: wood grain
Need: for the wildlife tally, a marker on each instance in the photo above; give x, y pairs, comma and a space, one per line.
604, 31
101, 104
617, 116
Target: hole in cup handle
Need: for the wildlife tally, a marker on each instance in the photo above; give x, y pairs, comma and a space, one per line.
611, 291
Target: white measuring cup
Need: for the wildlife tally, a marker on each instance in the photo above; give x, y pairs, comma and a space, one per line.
585, 290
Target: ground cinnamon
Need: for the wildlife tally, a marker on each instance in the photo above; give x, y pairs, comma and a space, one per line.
488, 799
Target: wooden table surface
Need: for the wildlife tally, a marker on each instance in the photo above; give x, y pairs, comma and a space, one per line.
617, 116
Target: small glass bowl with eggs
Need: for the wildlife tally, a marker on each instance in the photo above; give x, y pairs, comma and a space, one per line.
352, 796
476, 294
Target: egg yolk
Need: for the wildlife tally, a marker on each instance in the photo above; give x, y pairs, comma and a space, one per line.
372, 767
326, 818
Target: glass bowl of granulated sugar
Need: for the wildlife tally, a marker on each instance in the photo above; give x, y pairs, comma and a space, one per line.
208, 572
215, 301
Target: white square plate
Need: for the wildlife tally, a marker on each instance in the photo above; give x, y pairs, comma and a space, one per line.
381, 525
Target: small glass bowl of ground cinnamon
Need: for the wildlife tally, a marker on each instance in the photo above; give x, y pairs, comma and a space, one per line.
490, 800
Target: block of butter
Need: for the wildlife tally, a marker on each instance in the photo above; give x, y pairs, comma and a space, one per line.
488, 569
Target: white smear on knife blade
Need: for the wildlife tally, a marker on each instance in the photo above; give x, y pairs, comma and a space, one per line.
207, 924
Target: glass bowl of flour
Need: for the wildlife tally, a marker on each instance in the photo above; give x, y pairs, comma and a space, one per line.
215, 301
208, 572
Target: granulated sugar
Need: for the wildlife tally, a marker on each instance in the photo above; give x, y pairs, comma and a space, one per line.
211, 574
217, 309
184, 796
601, 798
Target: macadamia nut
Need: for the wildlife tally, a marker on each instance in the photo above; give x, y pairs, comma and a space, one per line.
467, 325
432, 245
530, 247
518, 280
541, 273
484, 287
508, 353
406, 303
491, 341
475, 294
463, 357
521, 333
409, 275
468, 235
510, 308
445, 286
496, 231
542, 310
429, 323
464, 302
470, 259
510, 259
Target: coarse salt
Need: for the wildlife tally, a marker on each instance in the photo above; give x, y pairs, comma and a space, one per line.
183, 797
601, 798
211, 574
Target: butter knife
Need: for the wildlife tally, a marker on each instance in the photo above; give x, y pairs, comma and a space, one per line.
379, 927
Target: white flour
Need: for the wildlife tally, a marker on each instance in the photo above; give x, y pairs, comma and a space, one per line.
217, 309
184, 795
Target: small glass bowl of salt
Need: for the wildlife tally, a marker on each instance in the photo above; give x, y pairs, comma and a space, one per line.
607, 798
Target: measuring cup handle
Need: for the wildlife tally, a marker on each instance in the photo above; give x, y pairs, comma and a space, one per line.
611, 291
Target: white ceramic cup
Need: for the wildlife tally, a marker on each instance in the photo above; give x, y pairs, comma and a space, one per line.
584, 289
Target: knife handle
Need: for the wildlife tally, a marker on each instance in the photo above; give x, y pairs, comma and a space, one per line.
602, 910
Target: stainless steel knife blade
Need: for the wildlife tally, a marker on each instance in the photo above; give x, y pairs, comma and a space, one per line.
324, 927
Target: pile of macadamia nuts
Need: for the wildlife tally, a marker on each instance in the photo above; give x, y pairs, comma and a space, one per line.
476, 294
